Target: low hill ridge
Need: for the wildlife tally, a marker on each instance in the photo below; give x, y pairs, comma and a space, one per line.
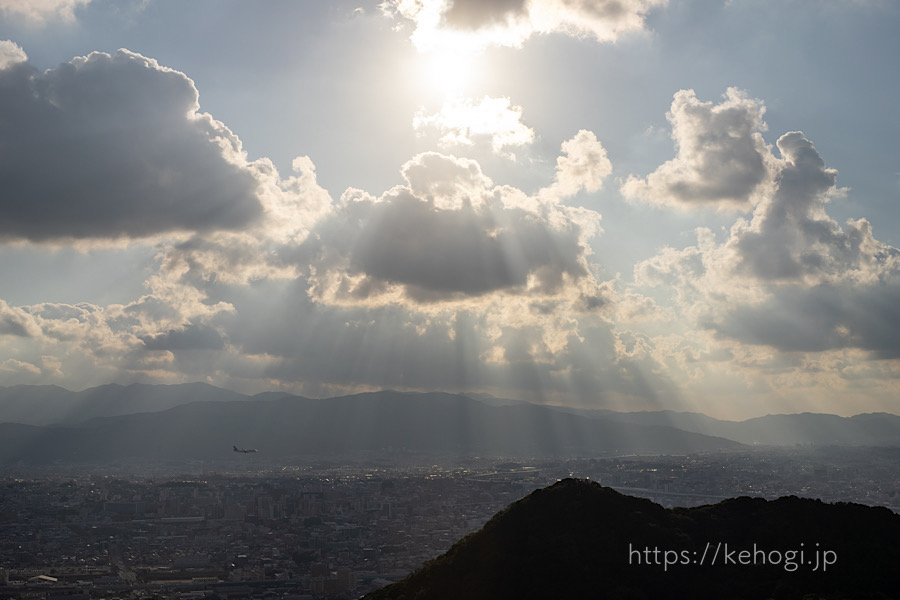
577, 539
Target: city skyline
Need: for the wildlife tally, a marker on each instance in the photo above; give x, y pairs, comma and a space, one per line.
632, 205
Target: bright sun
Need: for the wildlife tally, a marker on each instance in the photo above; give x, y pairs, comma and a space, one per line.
452, 61
449, 72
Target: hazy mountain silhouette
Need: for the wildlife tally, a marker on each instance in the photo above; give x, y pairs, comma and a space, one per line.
577, 539
422, 422
52, 405
437, 423
870, 429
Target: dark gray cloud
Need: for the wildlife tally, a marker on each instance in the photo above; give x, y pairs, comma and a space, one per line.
448, 236
820, 318
192, 336
475, 14
106, 146
469, 251
408, 242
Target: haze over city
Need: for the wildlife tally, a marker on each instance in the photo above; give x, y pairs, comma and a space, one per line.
633, 205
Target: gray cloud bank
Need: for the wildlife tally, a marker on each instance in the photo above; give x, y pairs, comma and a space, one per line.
106, 146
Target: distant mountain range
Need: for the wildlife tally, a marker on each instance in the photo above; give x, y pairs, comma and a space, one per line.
577, 539
869, 429
198, 421
53, 405
435, 423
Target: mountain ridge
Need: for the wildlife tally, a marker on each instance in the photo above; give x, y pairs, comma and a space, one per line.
577, 539
53, 405
293, 426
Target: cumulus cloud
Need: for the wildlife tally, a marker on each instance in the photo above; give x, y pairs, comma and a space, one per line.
15, 322
38, 11
792, 238
722, 159
447, 182
13, 366
447, 236
106, 146
447, 269
473, 25
790, 278
11, 54
155, 167
423, 296
583, 165
138, 341
462, 121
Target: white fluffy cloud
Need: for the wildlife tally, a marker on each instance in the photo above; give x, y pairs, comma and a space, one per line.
472, 25
722, 158
15, 321
11, 54
462, 121
14, 367
583, 165
39, 11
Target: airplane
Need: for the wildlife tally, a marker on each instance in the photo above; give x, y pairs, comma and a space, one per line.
236, 449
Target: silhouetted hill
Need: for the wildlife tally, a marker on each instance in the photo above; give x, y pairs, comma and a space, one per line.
432, 423
577, 539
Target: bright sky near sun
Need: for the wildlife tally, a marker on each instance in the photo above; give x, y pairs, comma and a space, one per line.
626, 204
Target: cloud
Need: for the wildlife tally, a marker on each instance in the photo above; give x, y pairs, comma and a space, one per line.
11, 54
583, 165
15, 322
447, 236
471, 26
106, 146
463, 122
821, 318
722, 159
192, 336
13, 366
474, 14
38, 11
448, 280
446, 181
790, 278
792, 238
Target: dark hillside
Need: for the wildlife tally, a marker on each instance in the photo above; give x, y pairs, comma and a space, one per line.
579, 540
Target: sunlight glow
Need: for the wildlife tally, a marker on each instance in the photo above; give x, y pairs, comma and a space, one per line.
449, 72
463, 121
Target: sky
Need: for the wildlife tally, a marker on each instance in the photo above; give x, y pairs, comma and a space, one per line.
624, 204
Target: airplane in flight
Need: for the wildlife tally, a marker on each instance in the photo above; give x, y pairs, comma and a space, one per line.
236, 449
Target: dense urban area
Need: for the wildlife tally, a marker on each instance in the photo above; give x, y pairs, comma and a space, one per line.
248, 529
